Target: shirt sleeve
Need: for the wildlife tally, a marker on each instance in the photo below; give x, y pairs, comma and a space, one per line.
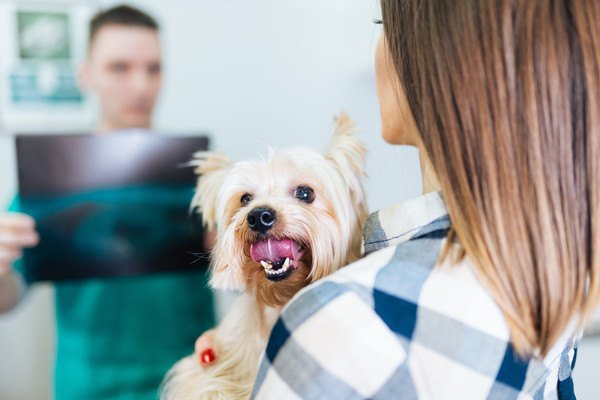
15, 204
330, 343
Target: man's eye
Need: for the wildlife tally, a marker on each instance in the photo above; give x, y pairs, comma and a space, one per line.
118, 67
304, 194
154, 69
245, 199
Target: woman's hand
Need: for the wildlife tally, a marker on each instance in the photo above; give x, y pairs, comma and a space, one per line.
204, 350
17, 231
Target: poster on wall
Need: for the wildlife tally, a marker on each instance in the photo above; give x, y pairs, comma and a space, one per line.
44, 84
43, 35
42, 46
45, 73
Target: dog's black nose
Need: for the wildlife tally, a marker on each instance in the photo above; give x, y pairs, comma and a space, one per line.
261, 219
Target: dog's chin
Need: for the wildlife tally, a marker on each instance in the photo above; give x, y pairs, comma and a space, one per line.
276, 283
282, 270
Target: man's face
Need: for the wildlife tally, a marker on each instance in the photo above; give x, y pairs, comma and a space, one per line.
124, 71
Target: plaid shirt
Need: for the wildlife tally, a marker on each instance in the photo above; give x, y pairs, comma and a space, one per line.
392, 326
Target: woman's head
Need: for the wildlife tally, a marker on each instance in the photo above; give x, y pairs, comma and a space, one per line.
505, 97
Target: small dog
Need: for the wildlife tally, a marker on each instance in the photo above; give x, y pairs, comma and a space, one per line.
282, 223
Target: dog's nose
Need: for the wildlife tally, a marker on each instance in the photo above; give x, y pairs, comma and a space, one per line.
261, 219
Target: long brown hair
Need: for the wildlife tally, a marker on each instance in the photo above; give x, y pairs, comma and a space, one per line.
506, 96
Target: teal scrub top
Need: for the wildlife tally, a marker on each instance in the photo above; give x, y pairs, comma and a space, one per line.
116, 338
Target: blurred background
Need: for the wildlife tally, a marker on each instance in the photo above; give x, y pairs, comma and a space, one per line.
248, 73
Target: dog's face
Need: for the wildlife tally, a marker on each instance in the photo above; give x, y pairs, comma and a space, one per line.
286, 220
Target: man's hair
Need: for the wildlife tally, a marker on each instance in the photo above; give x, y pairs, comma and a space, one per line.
121, 15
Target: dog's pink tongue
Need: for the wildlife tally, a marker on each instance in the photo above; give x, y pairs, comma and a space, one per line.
274, 250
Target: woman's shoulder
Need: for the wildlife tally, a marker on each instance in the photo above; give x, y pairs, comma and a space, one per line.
390, 317
400, 315
403, 286
395, 316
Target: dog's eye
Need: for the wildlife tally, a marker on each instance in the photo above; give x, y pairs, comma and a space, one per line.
246, 198
305, 194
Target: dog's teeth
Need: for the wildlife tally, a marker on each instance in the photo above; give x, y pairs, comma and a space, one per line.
286, 264
278, 272
266, 265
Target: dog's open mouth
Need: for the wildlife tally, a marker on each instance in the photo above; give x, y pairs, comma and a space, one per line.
279, 257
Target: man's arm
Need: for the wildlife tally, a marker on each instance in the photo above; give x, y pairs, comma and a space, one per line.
11, 288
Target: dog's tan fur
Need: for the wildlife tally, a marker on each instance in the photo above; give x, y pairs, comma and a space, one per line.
330, 228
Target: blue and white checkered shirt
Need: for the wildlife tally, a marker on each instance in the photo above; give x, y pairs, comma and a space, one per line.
391, 326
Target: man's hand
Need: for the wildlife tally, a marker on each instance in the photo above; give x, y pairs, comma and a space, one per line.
17, 231
204, 348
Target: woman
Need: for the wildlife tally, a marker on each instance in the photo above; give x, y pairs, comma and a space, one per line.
503, 100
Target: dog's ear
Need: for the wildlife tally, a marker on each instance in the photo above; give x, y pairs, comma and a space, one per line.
347, 154
211, 169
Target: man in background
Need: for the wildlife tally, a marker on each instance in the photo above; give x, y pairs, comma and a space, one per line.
123, 68
116, 337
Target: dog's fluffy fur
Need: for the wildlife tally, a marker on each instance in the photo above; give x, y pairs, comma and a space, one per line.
318, 229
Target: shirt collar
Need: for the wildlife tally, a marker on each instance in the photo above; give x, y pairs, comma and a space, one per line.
397, 224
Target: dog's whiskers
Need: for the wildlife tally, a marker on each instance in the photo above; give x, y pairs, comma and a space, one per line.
204, 255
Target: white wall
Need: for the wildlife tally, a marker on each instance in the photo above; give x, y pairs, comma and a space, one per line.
275, 72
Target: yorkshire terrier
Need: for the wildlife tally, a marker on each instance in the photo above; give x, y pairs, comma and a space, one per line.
282, 223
